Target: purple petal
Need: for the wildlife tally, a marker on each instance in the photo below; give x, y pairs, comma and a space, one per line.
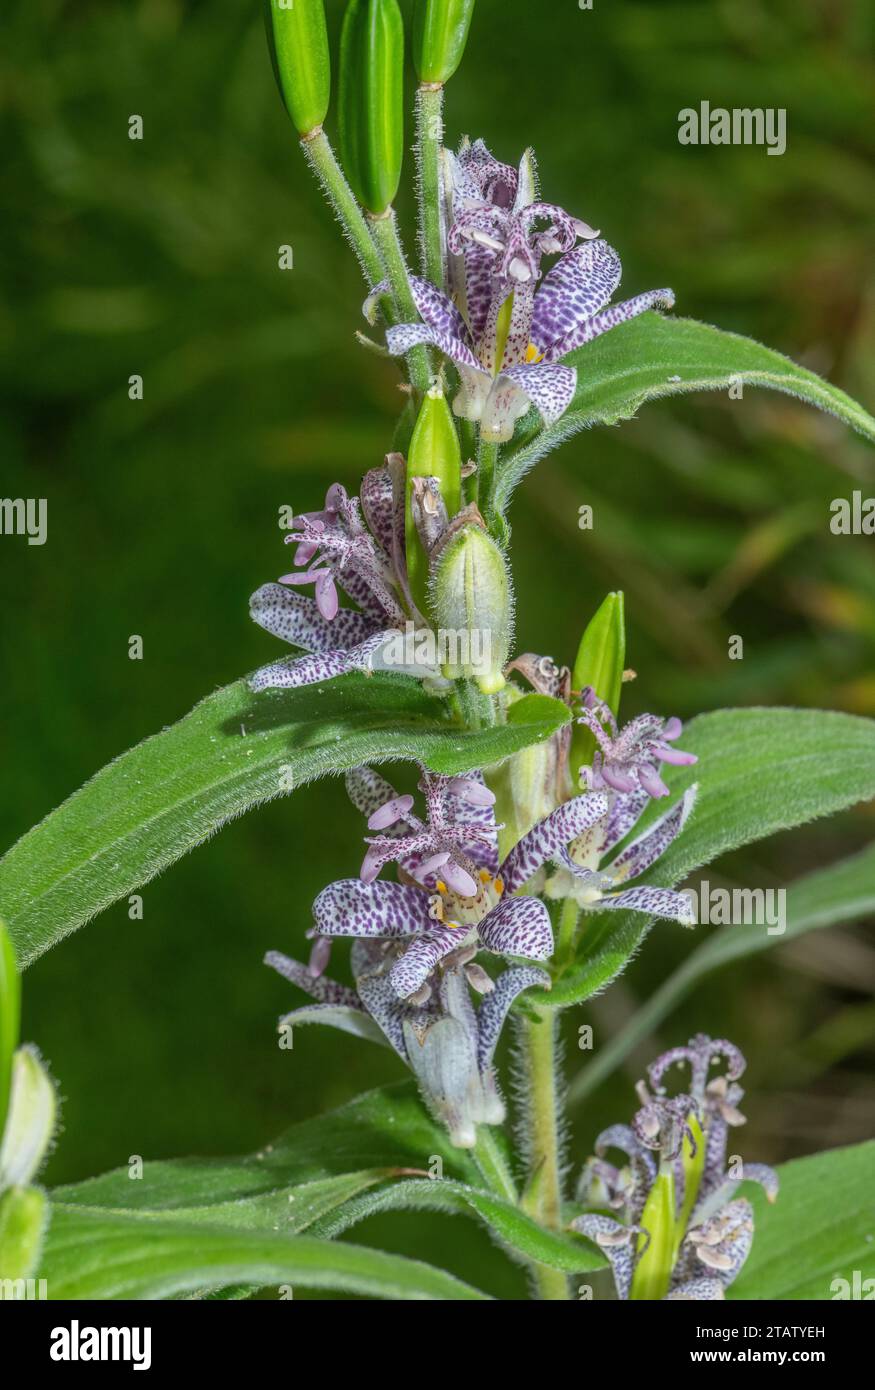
496, 1006
292, 672
651, 781
578, 286
656, 902
626, 811
647, 848
610, 318
353, 908
412, 969
325, 991
326, 596
617, 1243
545, 840
296, 619
518, 927
405, 336
470, 790
391, 811
458, 879
549, 388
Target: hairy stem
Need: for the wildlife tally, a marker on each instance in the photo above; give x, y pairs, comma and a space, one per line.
540, 1075
568, 920
487, 458
388, 243
332, 180
493, 1165
429, 142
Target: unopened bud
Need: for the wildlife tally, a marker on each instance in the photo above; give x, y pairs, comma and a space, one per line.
371, 102
434, 453
298, 43
440, 33
600, 660
472, 603
30, 1123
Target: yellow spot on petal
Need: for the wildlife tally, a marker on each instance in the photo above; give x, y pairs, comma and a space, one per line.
456, 926
484, 876
498, 885
442, 887
533, 354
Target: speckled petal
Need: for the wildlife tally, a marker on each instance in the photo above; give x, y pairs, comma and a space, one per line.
550, 388
405, 336
518, 927
413, 968
291, 672
618, 1244
696, 1291
626, 811
656, 902
496, 1005
580, 284
352, 908
323, 990
647, 848
545, 840
607, 319
297, 620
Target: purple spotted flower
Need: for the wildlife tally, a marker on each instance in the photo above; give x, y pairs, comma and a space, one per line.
447, 1042
355, 544
453, 894
505, 323
676, 1231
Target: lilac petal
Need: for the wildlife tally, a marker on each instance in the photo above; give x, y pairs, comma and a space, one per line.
320, 955
675, 756
518, 927
413, 968
580, 284
610, 318
545, 840
352, 908
549, 388
324, 991
296, 619
617, 781
647, 848
304, 576
367, 790
375, 858
496, 1006
434, 861
656, 902
458, 879
404, 336
391, 811
673, 729
326, 596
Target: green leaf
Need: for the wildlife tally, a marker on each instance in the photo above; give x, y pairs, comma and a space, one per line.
820, 1230
759, 771
655, 356
845, 892
232, 752
105, 1256
10, 1015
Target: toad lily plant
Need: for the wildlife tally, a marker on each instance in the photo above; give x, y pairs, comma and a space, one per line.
525, 845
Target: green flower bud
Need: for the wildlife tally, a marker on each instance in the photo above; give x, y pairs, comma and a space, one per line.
10, 1012
298, 43
472, 603
652, 1275
371, 103
23, 1219
30, 1123
601, 657
434, 453
440, 32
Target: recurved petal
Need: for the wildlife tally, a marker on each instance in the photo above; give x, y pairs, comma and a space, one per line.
297, 619
647, 848
320, 988
518, 926
588, 329
546, 839
579, 285
617, 1242
383, 909
656, 902
496, 1005
412, 969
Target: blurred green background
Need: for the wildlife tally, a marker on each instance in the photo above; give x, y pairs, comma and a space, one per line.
159, 258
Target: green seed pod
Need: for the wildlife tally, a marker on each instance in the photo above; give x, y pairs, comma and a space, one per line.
434, 453
440, 32
371, 101
472, 604
600, 660
298, 43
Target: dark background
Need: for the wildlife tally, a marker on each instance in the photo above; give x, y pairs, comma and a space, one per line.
160, 258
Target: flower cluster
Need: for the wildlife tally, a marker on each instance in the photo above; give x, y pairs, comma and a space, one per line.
501, 319
676, 1231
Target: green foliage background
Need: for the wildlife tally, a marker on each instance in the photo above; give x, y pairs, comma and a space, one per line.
160, 258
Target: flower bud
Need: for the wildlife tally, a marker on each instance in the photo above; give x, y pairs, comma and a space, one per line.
600, 660
472, 603
23, 1219
371, 103
440, 32
298, 43
434, 453
656, 1248
30, 1123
